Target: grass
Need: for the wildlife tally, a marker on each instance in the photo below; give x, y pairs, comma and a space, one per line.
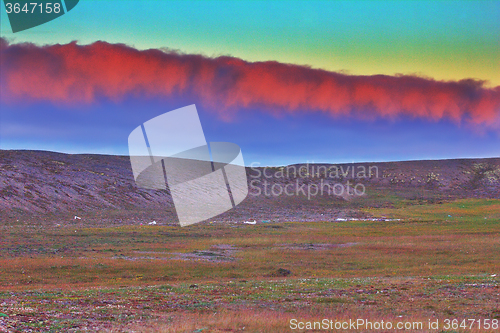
257, 305
436, 261
472, 210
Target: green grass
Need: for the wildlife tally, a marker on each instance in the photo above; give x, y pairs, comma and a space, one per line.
470, 210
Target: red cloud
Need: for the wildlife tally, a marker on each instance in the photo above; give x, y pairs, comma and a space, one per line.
75, 74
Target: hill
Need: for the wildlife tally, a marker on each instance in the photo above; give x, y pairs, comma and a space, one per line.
47, 186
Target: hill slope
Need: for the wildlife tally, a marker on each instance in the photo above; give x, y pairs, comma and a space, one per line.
41, 184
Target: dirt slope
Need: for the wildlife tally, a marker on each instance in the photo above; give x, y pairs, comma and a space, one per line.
40, 183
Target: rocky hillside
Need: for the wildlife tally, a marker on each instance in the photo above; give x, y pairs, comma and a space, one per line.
40, 183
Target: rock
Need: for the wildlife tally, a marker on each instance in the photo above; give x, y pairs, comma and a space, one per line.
283, 272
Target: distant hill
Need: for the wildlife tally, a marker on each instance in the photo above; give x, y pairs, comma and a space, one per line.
41, 184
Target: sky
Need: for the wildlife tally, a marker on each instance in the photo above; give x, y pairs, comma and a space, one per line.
288, 81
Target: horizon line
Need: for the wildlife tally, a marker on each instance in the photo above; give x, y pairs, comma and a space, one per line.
280, 165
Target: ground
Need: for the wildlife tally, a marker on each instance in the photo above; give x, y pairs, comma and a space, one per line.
403, 263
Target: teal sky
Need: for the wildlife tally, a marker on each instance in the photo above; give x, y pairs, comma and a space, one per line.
448, 40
